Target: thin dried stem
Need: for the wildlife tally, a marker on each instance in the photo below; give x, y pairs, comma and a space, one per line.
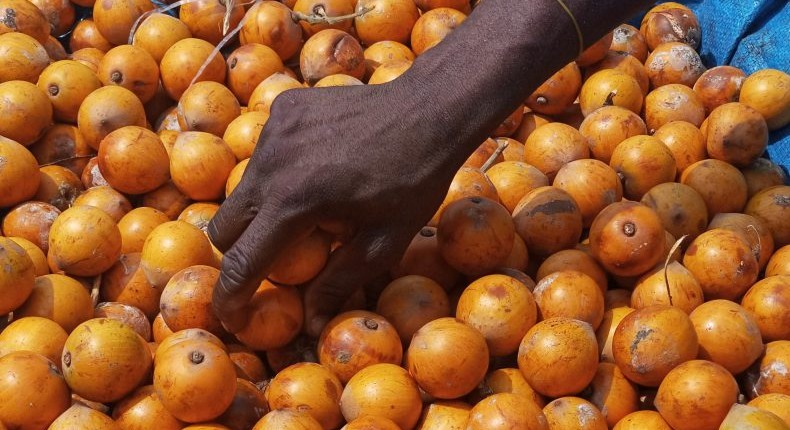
319, 16
666, 264
501, 146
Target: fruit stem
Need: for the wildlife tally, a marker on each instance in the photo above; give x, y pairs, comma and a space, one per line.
319, 16
146, 14
196, 357
372, 325
666, 265
75, 157
229, 5
629, 229
757, 249
95, 290
501, 145
610, 99
217, 48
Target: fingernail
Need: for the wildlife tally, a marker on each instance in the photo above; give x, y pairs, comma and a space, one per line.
317, 325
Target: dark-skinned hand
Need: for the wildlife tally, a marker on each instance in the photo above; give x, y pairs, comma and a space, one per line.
339, 156
374, 162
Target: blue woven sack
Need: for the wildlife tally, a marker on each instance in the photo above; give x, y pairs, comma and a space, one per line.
750, 35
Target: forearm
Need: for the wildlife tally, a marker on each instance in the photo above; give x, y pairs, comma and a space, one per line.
484, 69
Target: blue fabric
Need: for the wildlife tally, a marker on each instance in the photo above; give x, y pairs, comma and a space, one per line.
750, 35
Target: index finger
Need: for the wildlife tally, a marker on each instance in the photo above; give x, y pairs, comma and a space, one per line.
247, 262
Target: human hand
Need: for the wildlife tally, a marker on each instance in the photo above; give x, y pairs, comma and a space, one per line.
340, 157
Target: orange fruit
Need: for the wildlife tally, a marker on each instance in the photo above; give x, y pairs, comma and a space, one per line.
104, 360
276, 317
22, 407
195, 380
551, 342
501, 308
385, 390
107, 109
768, 92
158, 32
115, 18
696, 395
84, 241
248, 65
181, 62
387, 20
433, 26
58, 298
23, 56
27, 112
206, 18
270, 23
23, 17
131, 67
208, 107
20, 176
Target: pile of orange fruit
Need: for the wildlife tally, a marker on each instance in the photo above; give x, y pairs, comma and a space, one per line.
615, 256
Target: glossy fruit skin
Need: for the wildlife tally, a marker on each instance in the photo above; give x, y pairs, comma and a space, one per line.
18, 275
723, 263
574, 412
651, 288
696, 395
642, 420
183, 59
433, 26
552, 146
24, 408
27, 112
649, 342
613, 394
771, 376
719, 85
185, 301
570, 294
592, 184
108, 109
642, 162
685, 141
287, 419
35, 334
771, 206
142, 409
84, 241
430, 346
195, 380
736, 133
59, 298
501, 308
767, 301
672, 102
503, 410
444, 415
558, 92
104, 360
550, 342
617, 235
276, 317
549, 220
768, 91
295, 387
674, 63
383, 389
475, 235
728, 335
411, 301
